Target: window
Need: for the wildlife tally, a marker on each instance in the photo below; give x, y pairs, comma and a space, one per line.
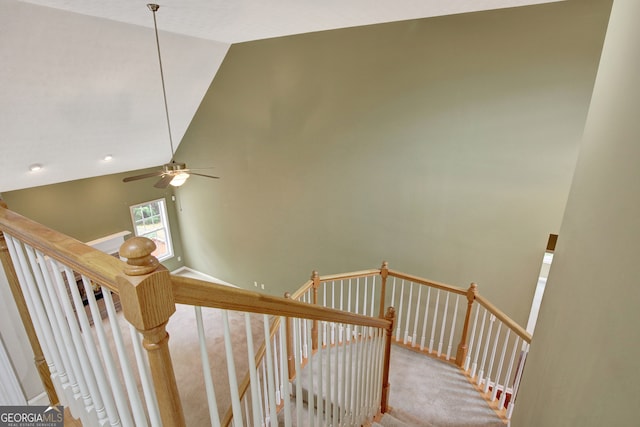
150, 220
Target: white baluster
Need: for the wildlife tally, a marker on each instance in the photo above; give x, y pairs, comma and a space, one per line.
328, 388
231, 371
206, 368
373, 294
357, 296
507, 377
467, 360
492, 319
333, 305
311, 395
276, 363
271, 382
55, 329
444, 323
297, 335
516, 381
286, 387
491, 360
319, 357
265, 394
414, 338
434, 322
393, 293
349, 390
145, 377
496, 382
474, 367
406, 323
336, 384
365, 299
346, 376
424, 321
253, 372
453, 327
399, 318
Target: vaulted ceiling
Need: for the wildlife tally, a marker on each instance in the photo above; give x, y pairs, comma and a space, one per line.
79, 79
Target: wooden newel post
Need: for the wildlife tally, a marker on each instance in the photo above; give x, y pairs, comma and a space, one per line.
462, 347
384, 273
314, 328
18, 297
384, 402
147, 303
291, 362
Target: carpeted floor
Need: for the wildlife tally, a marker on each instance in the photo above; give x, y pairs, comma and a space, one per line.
430, 392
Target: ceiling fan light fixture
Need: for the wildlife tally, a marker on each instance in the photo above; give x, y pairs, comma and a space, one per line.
179, 179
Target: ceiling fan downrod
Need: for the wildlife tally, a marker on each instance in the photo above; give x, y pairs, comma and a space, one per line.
154, 8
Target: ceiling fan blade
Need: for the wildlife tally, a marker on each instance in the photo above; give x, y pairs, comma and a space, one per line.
206, 176
143, 176
164, 181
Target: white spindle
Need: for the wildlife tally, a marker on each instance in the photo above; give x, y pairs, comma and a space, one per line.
507, 377
399, 318
434, 322
253, 372
424, 321
277, 351
373, 294
444, 323
365, 299
100, 386
357, 295
333, 305
231, 371
286, 389
55, 329
516, 381
311, 395
336, 383
453, 327
319, 356
349, 384
271, 382
297, 335
406, 323
474, 367
414, 338
145, 377
496, 382
265, 417
491, 360
467, 360
328, 388
393, 293
492, 319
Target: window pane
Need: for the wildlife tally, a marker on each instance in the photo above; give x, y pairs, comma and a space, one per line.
149, 220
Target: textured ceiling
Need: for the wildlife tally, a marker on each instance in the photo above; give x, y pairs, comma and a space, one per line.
79, 78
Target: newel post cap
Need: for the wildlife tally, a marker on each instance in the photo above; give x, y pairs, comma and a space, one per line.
137, 251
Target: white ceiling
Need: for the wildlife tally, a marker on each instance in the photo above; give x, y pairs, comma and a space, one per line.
79, 78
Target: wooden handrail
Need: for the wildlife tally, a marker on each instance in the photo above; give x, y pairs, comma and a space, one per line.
510, 323
301, 291
421, 281
83, 259
208, 294
351, 275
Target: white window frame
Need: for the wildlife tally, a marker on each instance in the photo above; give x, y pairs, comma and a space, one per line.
165, 224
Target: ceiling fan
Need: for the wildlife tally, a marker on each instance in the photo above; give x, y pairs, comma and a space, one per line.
174, 173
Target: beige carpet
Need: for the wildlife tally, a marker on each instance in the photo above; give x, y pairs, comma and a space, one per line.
429, 392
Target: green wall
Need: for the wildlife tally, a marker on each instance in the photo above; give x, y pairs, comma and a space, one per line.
87, 209
583, 366
444, 145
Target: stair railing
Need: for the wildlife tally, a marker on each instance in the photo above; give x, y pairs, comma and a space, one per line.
429, 318
59, 282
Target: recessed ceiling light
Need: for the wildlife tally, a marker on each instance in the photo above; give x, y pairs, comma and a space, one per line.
35, 167
107, 158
